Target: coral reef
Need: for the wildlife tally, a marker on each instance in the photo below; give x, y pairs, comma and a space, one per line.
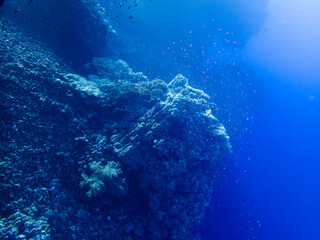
76, 30
106, 155
21, 226
103, 177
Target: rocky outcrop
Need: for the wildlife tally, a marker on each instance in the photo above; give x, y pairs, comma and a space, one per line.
76, 30
107, 155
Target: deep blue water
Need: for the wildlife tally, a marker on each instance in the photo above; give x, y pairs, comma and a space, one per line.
260, 61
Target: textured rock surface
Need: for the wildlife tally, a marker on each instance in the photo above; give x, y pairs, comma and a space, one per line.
152, 148
76, 30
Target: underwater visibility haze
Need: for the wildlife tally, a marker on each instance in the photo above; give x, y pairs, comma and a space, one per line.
160, 119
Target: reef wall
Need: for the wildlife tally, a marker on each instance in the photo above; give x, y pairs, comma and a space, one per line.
106, 155
75, 30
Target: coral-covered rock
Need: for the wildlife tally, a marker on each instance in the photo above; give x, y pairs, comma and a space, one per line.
77, 30
110, 155
115, 70
173, 152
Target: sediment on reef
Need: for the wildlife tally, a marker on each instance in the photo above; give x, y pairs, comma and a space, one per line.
106, 155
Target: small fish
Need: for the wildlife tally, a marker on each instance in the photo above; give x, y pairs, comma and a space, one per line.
130, 17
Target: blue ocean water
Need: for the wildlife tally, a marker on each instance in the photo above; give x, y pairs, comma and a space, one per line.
259, 62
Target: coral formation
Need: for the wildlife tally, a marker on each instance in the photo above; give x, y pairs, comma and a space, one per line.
22, 226
65, 136
77, 30
103, 177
